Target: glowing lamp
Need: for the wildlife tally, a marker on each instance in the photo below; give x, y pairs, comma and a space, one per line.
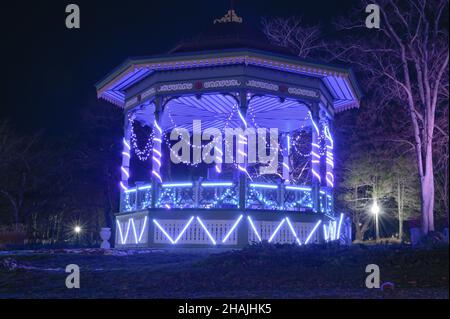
375, 208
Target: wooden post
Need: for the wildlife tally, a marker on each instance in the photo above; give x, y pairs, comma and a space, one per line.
315, 158
242, 175
285, 151
196, 190
157, 147
126, 155
243, 229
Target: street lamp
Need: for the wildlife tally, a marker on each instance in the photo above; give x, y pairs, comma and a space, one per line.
376, 210
77, 231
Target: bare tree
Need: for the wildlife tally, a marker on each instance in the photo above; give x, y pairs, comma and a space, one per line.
98, 154
440, 149
403, 178
16, 157
365, 179
403, 63
407, 62
291, 33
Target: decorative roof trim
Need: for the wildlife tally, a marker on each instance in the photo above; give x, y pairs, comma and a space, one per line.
247, 57
211, 55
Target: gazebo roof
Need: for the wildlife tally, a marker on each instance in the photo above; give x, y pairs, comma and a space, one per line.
230, 43
220, 36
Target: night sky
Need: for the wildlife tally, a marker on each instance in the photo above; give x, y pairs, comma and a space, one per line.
49, 71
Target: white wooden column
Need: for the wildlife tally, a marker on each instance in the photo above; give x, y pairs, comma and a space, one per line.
126, 155
329, 155
157, 144
315, 157
156, 153
243, 174
286, 154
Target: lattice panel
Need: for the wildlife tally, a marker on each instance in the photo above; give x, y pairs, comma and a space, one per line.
284, 235
132, 229
195, 234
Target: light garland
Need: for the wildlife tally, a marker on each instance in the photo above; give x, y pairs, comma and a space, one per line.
229, 193
304, 201
169, 195
172, 198
219, 153
144, 154
267, 203
323, 145
128, 206
292, 143
315, 150
329, 156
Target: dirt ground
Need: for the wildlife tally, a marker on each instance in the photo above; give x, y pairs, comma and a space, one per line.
262, 271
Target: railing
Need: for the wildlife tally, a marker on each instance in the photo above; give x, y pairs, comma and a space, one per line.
225, 194
218, 195
176, 195
326, 200
136, 198
297, 198
263, 196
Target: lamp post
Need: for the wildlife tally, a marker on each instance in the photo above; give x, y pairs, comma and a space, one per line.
376, 210
77, 230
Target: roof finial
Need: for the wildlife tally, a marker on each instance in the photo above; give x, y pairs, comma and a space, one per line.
230, 16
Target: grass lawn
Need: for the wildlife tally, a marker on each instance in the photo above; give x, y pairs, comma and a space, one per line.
284, 271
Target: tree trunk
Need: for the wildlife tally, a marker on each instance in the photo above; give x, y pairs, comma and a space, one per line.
427, 192
108, 218
358, 234
16, 218
360, 230
107, 207
400, 213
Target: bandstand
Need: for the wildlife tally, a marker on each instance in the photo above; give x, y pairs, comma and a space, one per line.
227, 80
